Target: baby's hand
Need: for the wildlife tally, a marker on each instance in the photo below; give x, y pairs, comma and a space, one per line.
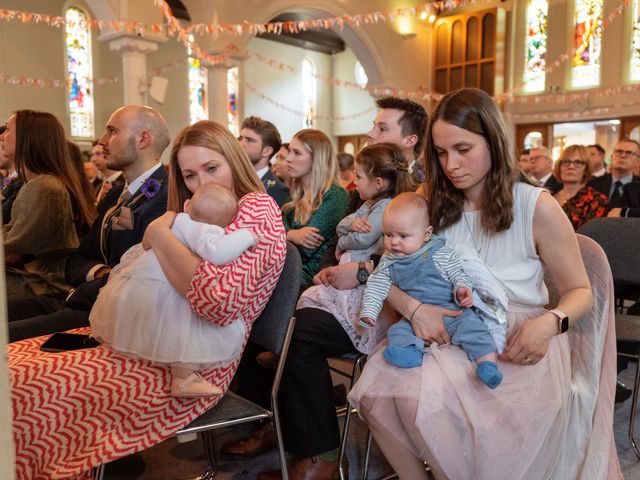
256, 241
339, 253
464, 297
367, 322
361, 225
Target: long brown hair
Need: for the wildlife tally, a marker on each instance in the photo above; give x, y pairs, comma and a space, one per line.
475, 111
41, 148
215, 137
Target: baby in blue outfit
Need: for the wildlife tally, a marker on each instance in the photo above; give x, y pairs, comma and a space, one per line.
420, 264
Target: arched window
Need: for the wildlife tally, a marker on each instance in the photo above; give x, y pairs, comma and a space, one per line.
360, 75
197, 88
79, 73
634, 73
536, 49
232, 104
585, 70
308, 93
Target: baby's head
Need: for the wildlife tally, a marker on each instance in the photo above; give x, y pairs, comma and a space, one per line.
212, 204
406, 224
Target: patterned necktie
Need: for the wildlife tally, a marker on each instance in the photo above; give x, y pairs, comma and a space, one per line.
124, 197
616, 195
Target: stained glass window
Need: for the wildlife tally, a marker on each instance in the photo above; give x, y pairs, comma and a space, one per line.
79, 73
536, 50
197, 88
308, 94
634, 74
232, 104
587, 42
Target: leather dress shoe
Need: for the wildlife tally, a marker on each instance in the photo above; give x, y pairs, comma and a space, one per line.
262, 440
310, 468
622, 392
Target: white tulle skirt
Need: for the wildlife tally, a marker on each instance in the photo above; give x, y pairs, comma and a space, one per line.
147, 318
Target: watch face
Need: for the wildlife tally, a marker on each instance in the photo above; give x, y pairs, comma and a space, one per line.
362, 274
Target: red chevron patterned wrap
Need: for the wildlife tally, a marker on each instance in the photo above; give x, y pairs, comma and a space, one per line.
75, 410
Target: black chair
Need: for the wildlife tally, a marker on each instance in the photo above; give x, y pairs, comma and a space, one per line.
618, 237
272, 330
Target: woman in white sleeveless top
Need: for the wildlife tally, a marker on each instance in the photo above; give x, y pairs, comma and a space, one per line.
537, 423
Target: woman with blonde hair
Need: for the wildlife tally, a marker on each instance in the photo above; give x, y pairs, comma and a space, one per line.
579, 201
318, 202
52, 210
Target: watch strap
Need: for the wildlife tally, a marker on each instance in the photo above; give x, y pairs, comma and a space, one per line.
563, 320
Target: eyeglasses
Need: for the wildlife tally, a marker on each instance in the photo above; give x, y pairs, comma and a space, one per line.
573, 163
624, 153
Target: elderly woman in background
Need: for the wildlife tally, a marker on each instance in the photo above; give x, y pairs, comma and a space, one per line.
318, 202
579, 201
52, 209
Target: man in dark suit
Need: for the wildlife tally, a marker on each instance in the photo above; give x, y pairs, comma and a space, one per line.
541, 169
261, 140
618, 185
133, 142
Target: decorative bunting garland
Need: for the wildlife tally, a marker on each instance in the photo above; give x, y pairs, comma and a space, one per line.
375, 91
246, 28
300, 113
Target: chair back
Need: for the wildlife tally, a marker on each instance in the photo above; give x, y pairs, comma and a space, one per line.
270, 327
619, 238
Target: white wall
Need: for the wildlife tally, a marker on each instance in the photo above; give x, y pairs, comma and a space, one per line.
284, 87
350, 101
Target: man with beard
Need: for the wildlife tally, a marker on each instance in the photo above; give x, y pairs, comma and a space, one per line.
261, 140
134, 140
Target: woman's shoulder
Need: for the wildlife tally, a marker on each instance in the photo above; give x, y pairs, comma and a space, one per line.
337, 192
592, 193
258, 204
44, 182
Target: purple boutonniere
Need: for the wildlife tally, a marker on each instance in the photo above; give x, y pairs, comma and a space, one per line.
150, 188
6, 181
421, 175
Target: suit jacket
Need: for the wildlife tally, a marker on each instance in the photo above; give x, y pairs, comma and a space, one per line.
631, 198
9, 194
275, 188
104, 205
553, 185
603, 184
88, 254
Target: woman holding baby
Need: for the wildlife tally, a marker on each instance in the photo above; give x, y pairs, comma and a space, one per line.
115, 399
552, 415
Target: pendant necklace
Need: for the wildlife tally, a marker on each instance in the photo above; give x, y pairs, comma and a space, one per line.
473, 238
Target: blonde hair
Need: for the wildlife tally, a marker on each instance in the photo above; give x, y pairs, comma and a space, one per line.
324, 174
215, 137
581, 150
213, 204
412, 203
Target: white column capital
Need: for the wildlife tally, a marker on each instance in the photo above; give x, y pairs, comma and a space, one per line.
129, 44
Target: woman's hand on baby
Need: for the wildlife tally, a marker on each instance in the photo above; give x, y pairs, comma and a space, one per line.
308, 237
464, 295
529, 342
361, 225
157, 228
340, 277
428, 323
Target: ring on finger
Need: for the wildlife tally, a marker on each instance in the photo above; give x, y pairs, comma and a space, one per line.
528, 360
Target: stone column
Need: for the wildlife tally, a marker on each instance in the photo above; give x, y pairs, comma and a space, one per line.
218, 94
134, 66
